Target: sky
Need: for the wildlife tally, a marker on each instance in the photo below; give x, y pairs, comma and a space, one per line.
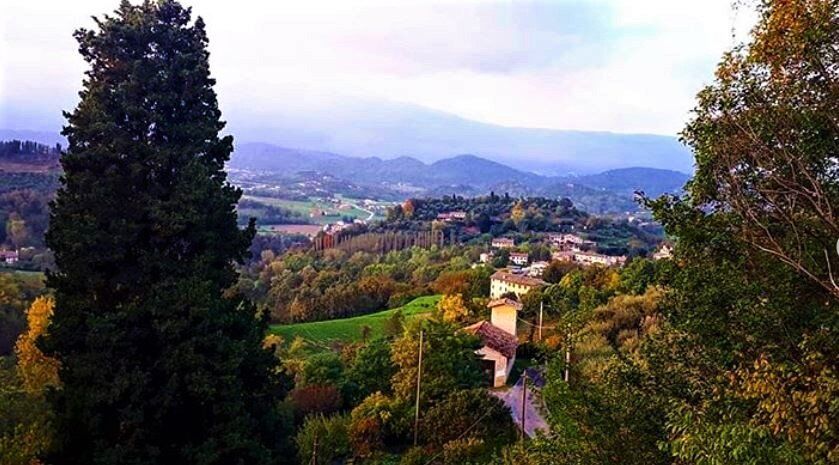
629, 66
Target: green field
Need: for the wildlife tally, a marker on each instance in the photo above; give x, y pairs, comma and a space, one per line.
349, 329
333, 213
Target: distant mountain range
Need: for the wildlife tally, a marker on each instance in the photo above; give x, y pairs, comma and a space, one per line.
610, 190
385, 129
470, 174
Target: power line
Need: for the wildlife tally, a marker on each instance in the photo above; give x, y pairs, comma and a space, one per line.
432, 459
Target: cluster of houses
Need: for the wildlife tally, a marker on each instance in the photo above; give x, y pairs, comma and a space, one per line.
573, 248
499, 335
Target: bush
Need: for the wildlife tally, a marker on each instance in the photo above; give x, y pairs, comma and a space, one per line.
329, 433
323, 368
315, 399
376, 422
488, 418
413, 456
464, 450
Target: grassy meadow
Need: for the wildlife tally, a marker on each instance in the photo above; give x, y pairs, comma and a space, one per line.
349, 329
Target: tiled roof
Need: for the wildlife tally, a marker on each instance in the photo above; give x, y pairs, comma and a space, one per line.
504, 301
495, 338
517, 279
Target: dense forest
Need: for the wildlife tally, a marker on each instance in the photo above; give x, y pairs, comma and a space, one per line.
150, 341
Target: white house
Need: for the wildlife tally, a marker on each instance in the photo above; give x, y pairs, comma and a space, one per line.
9, 257
537, 268
499, 340
519, 258
666, 251
503, 243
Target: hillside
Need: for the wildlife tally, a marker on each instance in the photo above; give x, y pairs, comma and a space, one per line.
467, 175
349, 329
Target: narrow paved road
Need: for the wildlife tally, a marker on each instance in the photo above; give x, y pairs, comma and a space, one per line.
533, 419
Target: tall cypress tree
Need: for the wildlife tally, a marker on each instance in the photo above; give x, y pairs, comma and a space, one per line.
159, 363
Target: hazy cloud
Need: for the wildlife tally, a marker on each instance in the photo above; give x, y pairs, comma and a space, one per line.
620, 65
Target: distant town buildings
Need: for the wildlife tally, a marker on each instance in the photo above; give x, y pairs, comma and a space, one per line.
503, 243
570, 242
502, 283
452, 216
587, 258
519, 258
537, 268
665, 251
591, 258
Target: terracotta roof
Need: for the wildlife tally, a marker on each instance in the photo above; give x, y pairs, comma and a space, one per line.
495, 338
504, 301
517, 279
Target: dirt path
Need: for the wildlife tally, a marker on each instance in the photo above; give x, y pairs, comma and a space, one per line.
533, 419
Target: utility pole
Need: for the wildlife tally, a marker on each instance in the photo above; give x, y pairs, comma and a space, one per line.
567, 354
523, 404
541, 309
419, 381
315, 449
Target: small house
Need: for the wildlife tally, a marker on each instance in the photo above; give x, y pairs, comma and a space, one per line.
499, 340
9, 257
519, 258
503, 243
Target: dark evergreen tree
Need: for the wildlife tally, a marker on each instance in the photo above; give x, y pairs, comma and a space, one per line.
160, 362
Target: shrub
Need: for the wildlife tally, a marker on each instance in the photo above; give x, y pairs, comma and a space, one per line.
464, 450
322, 368
414, 456
376, 422
488, 418
329, 433
315, 399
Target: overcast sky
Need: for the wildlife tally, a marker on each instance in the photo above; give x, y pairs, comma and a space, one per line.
614, 65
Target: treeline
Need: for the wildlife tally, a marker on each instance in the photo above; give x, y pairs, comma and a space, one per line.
27, 147
24, 215
307, 286
379, 242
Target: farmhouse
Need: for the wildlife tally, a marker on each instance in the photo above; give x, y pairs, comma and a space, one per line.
452, 216
570, 241
519, 258
499, 340
563, 256
9, 257
503, 243
537, 268
502, 283
666, 251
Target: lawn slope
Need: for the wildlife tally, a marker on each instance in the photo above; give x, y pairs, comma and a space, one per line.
349, 329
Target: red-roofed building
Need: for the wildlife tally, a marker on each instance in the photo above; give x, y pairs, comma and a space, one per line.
499, 340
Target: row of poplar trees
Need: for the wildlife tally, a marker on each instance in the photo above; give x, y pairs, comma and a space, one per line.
160, 363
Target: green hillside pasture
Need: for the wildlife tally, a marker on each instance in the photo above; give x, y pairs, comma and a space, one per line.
349, 329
